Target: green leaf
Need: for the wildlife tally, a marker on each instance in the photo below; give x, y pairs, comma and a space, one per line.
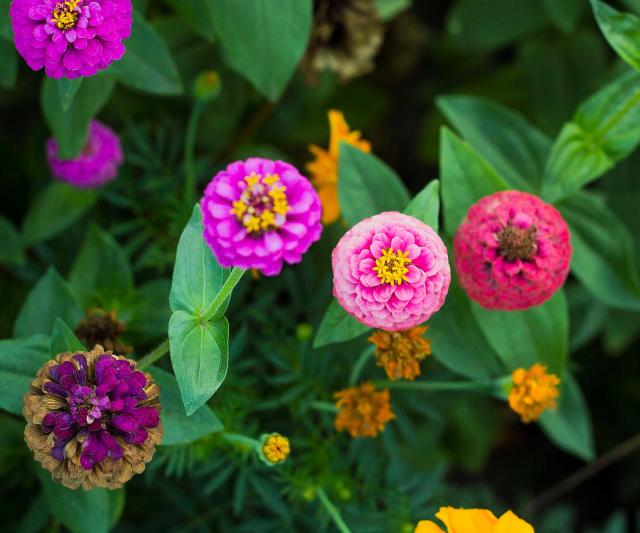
56, 208
388, 9
199, 356
12, 249
622, 31
147, 64
101, 273
71, 127
570, 426
603, 254
515, 148
338, 326
425, 206
8, 65
565, 15
466, 177
264, 40
63, 339
147, 313
67, 90
5, 22
458, 342
367, 186
536, 335
605, 129
20, 360
199, 14
80, 510
51, 298
178, 427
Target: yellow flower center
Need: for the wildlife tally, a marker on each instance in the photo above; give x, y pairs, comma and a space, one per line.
263, 205
391, 266
276, 448
65, 14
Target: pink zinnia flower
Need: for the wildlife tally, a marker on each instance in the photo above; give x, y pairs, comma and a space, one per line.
70, 38
97, 163
512, 251
391, 271
260, 213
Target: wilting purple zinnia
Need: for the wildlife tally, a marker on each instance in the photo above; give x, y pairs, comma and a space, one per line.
70, 38
92, 419
260, 213
96, 165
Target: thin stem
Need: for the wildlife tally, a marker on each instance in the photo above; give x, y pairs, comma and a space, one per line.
189, 152
333, 511
154, 355
360, 363
324, 406
437, 386
224, 293
242, 440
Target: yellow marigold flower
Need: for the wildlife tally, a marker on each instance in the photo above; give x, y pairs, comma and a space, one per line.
363, 411
533, 391
400, 352
474, 521
275, 448
324, 169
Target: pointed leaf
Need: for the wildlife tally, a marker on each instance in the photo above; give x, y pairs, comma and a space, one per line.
622, 31
67, 90
63, 339
338, 326
425, 206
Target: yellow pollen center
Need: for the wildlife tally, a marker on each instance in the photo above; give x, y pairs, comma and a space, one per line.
65, 15
263, 205
391, 266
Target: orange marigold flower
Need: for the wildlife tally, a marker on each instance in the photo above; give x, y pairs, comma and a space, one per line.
400, 352
324, 169
363, 411
533, 391
474, 521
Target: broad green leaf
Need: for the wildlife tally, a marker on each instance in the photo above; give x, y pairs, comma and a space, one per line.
367, 186
199, 356
536, 335
604, 130
569, 427
515, 148
338, 326
63, 339
197, 276
67, 90
178, 427
147, 64
565, 14
622, 31
388, 9
101, 274
603, 255
12, 249
425, 206
8, 65
457, 341
50, 299
147, 313
71, 127
20, 360
199, 14
5, 22
466, 177
264, 40
56, 208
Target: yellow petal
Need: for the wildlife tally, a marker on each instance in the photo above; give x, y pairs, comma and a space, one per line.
330, 206
510, 523
467, 520
427, 526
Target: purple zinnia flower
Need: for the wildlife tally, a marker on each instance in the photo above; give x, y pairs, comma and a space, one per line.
93, 410
70, 38
96, 165
260, 213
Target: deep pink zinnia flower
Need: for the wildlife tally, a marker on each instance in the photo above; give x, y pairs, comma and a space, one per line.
260, 213
70, 38
391, 271
512, 251
96, 165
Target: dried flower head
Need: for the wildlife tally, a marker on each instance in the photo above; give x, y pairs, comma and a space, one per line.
474, 521
400, 352
324, 169
92, 419
103, 328
363, 411
274, 448
533, 391
345, 38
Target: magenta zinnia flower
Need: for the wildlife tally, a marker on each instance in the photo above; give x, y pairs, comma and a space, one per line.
391, 271
70, 38
260, 213
96, 165
512, 251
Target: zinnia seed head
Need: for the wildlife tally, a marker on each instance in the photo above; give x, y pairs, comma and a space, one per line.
363, 411
92, 419
274, 448
533, 391
103, 328
400, 352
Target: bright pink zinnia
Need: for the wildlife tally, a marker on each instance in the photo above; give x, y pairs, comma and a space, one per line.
260, 213
97, 163
391, 271
70, 38
512, 251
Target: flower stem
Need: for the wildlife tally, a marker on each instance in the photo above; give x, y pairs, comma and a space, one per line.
189, 152
437, 386
333, 511
242, 440
154, 355
225, 292
360, 363
324, 406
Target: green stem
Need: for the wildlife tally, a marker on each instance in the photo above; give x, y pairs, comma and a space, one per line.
224, 293
324, 406
436, 386
333, 511
189, 152
154, 355
242, 440
357, 368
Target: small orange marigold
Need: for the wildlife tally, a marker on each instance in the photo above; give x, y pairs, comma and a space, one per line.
533, 391
363, 411
400, 352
